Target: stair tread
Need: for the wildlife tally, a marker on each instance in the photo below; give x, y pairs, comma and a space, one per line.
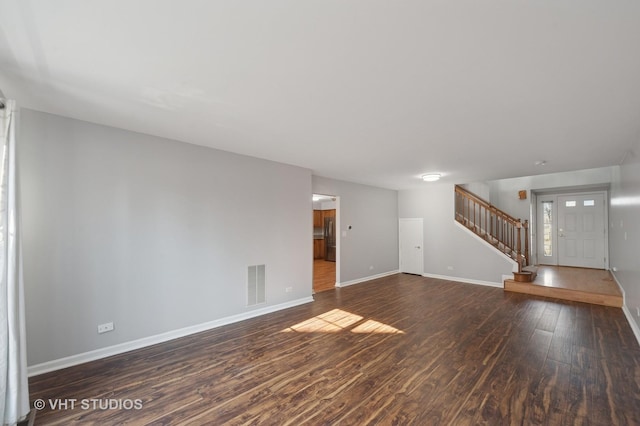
524, 276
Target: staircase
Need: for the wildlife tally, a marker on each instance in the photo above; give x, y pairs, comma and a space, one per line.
507, 234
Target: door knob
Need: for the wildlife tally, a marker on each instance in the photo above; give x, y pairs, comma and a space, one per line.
418, 247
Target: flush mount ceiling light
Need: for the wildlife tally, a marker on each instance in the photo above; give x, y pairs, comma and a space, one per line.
320, 197
541, 163
431, 177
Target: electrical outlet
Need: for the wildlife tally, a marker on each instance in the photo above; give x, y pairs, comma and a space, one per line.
103, 328
371, 268
450, 268
288, 289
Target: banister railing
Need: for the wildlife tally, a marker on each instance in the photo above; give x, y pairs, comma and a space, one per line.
501, 230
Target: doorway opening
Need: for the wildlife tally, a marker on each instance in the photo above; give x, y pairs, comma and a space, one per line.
572, 229
326, 242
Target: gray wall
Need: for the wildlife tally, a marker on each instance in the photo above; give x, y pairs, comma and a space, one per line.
446, 244
624, 218
481, 189
150, 233
372, 240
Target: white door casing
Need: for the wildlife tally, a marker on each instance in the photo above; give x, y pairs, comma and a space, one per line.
581, 230
411, 244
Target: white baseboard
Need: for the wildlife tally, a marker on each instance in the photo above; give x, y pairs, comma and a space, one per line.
464, 280
627, 313
72, 360
369, 278
624, 298
632, 323
506, 277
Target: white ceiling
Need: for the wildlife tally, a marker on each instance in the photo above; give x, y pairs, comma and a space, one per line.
370, 91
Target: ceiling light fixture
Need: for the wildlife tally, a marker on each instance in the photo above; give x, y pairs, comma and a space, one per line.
431, 177
541, 163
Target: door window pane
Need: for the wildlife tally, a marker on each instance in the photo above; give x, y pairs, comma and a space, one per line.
571, 203
547, 223
589, 203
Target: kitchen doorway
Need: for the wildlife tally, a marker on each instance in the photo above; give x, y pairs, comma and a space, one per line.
326, 247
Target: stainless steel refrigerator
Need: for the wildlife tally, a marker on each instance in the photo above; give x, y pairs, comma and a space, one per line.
330, 239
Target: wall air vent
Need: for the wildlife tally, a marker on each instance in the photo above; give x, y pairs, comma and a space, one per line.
255, 285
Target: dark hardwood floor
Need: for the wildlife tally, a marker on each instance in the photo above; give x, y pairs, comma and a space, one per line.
398, 350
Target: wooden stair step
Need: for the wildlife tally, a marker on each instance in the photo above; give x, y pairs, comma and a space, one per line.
533, 269
523, 277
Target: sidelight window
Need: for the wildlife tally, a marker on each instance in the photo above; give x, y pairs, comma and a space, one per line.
547, 223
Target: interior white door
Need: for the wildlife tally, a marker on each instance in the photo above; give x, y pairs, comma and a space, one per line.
581, 230
411, 245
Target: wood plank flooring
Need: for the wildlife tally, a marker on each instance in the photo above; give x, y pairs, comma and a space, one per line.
586, 285
398, 350
324, 275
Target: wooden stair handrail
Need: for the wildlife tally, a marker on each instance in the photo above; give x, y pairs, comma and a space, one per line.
500, 226
488, 206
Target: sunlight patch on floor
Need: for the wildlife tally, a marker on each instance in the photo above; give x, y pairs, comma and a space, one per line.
371, 326
338, 320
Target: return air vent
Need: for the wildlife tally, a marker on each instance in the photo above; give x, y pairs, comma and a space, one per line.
255, 285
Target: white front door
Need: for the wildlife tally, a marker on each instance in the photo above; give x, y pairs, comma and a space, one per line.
411, 246
582, 230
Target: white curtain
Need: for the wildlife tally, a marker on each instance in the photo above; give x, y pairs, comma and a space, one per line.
14, 396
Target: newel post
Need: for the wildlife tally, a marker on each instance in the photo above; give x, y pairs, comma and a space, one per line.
526, 243
519, 245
